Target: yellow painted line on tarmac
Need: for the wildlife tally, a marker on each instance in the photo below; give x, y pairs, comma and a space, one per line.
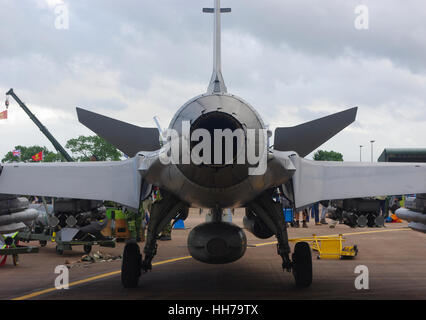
171, 260
264, 244
101, 276
376, 231
335, 235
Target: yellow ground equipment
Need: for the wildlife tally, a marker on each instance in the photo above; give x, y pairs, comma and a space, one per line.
329, 247
9, 245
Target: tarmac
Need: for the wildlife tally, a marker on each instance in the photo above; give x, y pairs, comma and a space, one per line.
395, 257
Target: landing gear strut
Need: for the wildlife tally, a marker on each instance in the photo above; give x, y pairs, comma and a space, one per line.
162, 212
272, 215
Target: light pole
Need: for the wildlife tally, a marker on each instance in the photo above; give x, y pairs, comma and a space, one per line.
360, 148
372, 141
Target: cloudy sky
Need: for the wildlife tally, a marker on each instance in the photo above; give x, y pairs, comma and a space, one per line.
293, 60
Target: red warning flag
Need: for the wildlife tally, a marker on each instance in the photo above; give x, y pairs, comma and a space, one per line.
3, 115
38, 157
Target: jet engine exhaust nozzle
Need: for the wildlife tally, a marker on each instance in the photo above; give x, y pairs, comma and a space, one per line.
215, 122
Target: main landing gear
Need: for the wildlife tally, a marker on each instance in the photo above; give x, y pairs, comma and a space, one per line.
272, 215
131, 265
162, 213
302, 265
170, 207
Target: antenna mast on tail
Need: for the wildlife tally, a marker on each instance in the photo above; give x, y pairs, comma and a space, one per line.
217, 84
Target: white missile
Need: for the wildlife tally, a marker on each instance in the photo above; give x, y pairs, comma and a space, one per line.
12, 227
25, 216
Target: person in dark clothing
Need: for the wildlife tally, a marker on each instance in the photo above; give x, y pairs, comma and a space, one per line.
305, 216
324, 205
315, 213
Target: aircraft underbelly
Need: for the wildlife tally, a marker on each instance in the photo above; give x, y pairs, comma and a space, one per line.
172, 179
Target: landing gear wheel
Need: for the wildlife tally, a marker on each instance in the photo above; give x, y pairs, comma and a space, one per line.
87, 248
131, 265
379, 221
362, 221
302, 265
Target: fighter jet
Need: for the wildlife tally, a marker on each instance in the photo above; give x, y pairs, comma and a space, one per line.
215, 156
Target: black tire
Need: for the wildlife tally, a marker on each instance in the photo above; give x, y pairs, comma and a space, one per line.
43, 243
87, 248
302, 265
379, 221
362, 221
131, 266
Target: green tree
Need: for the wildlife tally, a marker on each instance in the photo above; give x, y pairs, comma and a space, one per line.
322, 155
84, 147
28, 152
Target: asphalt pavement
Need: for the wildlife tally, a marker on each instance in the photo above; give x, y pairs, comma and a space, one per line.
394, 256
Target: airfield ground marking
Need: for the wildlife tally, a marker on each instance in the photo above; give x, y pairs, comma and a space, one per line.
109, 274
101, 276
335, 235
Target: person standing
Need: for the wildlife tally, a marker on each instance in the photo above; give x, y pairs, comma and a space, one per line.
324, 208
145, 211
315, 213
305, 214
382, 200
134, 222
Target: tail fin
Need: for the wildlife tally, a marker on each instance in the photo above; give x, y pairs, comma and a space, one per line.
308, 136
217, 84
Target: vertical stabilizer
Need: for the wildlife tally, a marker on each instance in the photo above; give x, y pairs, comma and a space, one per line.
217, 84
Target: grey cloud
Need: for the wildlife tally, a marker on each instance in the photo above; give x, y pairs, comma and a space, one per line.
294, 59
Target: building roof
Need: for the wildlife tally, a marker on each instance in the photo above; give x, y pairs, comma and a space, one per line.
401, 154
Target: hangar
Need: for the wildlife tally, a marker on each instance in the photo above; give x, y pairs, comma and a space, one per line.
403, 155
